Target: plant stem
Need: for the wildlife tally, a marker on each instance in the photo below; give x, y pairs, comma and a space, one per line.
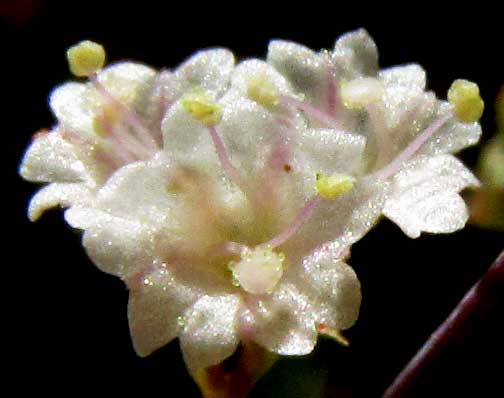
464, 317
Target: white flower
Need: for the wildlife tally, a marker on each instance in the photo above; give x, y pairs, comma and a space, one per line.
410, 135
109, 122
234, 226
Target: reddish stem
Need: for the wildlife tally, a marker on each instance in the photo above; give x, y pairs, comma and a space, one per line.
464, 317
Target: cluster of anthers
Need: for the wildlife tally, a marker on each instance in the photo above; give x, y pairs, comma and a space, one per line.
227, 197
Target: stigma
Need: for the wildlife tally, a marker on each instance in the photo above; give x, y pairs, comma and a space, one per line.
259, 270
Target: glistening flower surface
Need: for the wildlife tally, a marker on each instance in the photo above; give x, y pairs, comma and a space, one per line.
228, 196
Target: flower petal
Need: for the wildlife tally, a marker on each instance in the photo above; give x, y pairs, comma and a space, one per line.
330, 150
155, 308
425, 196
75, 104
285, 322
117, 246
356, 54
307, 71
63, 194
209, 70
52, 159
333, 288
209, 332
187, 140
341, 221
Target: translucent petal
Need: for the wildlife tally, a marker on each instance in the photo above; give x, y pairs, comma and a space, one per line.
209, 332
425, 196
306, 71
333, 288
356, 55
209, 70
155, 309
249, 132
285, 322
63, 194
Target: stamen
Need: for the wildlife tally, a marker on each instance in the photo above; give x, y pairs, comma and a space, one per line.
258, 270
261, 90
203, 108
86, 58
321, 116
413, 147
360, 93
332, 90
296, 224
466, 100
330, 187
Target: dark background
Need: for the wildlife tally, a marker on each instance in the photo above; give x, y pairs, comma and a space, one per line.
66, 321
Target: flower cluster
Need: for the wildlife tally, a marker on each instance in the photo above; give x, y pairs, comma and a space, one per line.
227, 196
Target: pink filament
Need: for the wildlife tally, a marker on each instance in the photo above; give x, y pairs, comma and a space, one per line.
228, 168
310, 110
296, 224
142, 133
390, 169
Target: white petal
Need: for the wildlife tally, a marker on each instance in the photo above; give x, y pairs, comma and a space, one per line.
356, 54
425, 196
63, 194
70, 106
253, 67
330, 151
209, 70
138, 192
155, 309
209, 334
186, 139
117, 246
412, 76
333, 287
404, 94
285, 322
50, 158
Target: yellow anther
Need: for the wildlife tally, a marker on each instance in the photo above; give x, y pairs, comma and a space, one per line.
203, 108
466, 100
262, 90
330, 187
86, 58
358, 93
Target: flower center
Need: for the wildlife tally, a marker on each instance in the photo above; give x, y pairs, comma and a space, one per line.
258, 270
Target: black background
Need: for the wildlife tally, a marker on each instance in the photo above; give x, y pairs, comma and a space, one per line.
66, 321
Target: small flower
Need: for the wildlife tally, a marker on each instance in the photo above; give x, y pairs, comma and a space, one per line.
409, 134
109, 122
228, 197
